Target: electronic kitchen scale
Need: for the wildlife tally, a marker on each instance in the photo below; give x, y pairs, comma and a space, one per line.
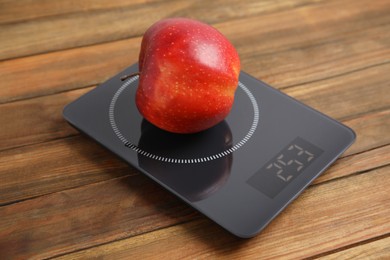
240, 173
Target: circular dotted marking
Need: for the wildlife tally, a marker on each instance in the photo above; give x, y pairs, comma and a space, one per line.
111, 115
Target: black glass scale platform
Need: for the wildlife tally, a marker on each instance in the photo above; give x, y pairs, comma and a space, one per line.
240, 173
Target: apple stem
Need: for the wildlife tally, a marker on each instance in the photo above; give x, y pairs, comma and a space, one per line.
123, 78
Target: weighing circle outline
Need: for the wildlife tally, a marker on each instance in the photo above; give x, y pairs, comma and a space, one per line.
111, 115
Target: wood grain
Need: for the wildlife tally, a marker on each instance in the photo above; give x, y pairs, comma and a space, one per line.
78, 29
357, 163
338, 96
42, 121
52, 157
35, 120
367, 137
65, 70
86, 216
62, 195
283, 60
378, 249
54, 166
49, 167
25, 10
290, 236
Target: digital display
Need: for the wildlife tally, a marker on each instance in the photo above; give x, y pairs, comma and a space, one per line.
277, 173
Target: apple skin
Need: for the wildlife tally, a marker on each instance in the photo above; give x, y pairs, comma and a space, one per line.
188, 75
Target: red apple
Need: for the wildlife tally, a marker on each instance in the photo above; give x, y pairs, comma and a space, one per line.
188, 75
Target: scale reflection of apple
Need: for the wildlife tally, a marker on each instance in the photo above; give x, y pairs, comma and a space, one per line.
240, 173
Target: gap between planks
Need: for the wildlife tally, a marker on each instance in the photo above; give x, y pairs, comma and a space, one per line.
119, 18
58, 65
375, 100
206, 229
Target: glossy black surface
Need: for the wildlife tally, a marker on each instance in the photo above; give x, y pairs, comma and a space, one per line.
212, 170
281, 170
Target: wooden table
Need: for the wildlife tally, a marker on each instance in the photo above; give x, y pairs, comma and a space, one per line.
62, 195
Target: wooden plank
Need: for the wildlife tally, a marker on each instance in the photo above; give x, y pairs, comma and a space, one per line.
63, 195
92, 27
336, 57
95, 164
352, 219
370, 131
71, 162
284, 59
378, 249
87, 163
357, 163
23, 10
40, 168
86, 216
336, 97
367, 137
54, 166
303, 31
341, 97
35, 120
66, 70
